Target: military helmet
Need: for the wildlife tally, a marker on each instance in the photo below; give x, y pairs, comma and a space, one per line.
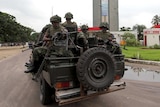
104, 25
68, 15
55, 18
83, 27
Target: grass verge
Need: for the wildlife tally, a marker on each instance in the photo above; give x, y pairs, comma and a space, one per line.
142, 53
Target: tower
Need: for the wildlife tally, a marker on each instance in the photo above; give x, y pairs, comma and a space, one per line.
106, 11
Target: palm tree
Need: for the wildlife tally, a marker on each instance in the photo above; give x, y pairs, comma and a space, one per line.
156, 20
139, 29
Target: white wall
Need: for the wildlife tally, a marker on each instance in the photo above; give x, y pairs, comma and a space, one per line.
152, 39
118, 34
152, 36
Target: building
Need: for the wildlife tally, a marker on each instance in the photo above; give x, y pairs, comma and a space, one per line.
106, 11
151, 36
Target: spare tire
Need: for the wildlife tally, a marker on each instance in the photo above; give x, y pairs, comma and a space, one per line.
96, 69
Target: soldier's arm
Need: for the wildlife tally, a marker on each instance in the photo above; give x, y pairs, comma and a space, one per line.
76, 27
46, 37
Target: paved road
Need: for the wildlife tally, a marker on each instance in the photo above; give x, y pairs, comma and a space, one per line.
18, 90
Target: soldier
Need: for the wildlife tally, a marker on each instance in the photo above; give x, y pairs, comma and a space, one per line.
71, 26
68, 24
83, 36
104, 34
39, 52
105, 37
38, 43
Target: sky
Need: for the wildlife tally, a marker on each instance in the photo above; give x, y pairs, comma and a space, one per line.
36, 13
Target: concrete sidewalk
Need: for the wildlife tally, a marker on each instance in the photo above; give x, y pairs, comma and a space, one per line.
156, 63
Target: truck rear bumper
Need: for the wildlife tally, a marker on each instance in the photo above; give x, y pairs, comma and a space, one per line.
62, 100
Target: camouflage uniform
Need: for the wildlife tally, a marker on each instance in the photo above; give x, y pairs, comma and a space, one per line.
42, 33
105, 37
40, 51
83, 36
104, 34
68, 24
38, 43
71, 26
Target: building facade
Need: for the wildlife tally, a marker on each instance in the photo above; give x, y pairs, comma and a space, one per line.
106, 11
151, 36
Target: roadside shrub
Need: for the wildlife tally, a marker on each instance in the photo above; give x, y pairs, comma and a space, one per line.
155, 46
132, 42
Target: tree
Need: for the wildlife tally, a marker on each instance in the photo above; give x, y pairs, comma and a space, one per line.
130, 40
139, 29
156, 20
125, 28
11, 31
128, 36
34, 36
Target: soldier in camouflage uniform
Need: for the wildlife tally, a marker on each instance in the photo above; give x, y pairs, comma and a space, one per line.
105, 37
39, 52
104, 34
83, 36
68, 24
38, 43
71, 26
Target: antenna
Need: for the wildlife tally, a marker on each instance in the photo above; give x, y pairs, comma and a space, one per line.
52, 11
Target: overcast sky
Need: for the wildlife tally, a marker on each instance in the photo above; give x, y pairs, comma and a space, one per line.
36, 13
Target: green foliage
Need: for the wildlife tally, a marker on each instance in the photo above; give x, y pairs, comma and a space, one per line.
128, 35
139, 29
132, 42
130, 39
34, 36
156, 20
125, 28
11, 31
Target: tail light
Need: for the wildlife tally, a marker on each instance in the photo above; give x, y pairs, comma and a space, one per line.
117, 77
64, 85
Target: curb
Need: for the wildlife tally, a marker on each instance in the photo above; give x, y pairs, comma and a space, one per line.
156, 63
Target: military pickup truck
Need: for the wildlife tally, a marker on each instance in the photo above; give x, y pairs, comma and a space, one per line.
85, 73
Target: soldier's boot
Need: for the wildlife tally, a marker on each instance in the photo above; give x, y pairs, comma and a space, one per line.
33, 67
28, 64
29, 69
